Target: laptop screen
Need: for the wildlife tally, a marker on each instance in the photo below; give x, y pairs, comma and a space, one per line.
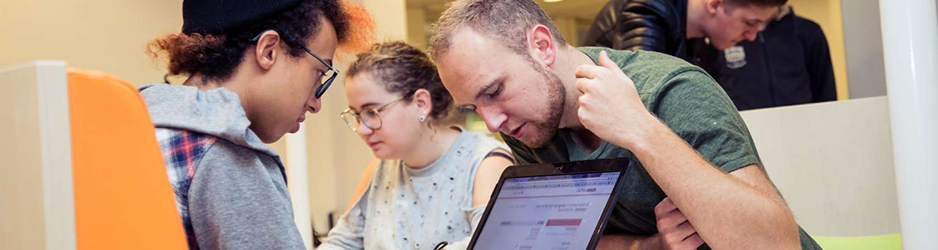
547, 212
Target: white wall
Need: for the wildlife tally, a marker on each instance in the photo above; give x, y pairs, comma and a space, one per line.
417, 27
102, 35
864, 44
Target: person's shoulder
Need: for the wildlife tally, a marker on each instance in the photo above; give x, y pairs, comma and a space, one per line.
661, 7
638, 58
482, 143
804, 22
225, 155
183, 145
199, 158
222, 149
479, 137
182, 152
226, 163
806, 26
658, 75
162, 91
653, 59
382, 165
649, 70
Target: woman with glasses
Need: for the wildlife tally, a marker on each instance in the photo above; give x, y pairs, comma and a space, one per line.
254, 68
430, 182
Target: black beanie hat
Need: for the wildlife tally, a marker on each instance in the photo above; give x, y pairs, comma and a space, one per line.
219, 16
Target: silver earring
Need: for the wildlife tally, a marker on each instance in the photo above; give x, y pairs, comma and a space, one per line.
423, 118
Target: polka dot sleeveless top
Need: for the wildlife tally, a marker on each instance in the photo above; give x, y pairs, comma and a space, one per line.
407, 208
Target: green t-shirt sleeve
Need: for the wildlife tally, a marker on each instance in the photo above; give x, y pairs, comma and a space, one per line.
694, 106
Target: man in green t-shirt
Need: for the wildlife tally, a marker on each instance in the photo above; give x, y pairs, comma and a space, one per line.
698, 180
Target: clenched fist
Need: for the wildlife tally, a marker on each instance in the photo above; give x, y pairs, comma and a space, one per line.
610, 106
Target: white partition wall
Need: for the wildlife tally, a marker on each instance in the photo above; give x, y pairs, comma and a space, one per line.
833, 164
910, 49
36, 194
298, 177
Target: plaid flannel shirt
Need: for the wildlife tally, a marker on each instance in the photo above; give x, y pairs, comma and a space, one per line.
182, 151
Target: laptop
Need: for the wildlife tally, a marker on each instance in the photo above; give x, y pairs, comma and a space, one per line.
559, 206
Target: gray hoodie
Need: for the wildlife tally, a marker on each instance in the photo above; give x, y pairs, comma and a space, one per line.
230, 187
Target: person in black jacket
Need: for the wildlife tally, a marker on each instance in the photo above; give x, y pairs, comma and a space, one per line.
788, 64
679, 27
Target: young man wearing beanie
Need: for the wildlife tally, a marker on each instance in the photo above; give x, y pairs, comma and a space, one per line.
254, 68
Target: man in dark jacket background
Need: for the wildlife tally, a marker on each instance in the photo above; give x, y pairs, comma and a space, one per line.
788, 64
680, 27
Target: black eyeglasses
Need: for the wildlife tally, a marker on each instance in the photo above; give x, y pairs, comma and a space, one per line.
331, 73
369, 117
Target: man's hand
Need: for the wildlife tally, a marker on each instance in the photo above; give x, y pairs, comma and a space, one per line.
674, 233
610, 106
674, 230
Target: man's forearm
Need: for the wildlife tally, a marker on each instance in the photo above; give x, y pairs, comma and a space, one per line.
728, 213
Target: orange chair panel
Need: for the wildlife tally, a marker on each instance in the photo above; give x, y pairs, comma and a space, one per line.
123, 199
